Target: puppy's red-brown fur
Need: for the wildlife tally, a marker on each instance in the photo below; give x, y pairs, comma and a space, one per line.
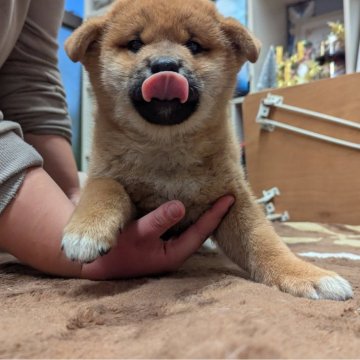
136, 165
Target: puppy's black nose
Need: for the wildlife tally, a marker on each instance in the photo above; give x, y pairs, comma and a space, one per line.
164, 64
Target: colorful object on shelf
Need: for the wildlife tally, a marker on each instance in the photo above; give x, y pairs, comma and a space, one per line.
338, 29
299, 68
268, 75
308, 63
332, 53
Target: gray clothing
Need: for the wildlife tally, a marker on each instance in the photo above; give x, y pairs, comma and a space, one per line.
32, 97
15, 157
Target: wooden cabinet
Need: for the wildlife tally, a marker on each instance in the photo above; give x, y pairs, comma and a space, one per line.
318, 180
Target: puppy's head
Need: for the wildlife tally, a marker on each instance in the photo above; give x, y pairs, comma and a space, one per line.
165, 62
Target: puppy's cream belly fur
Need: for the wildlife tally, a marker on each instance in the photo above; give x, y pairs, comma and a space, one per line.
148, 194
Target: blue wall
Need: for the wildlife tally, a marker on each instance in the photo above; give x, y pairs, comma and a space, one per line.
238, 10
234, 8
71, 76
75, 6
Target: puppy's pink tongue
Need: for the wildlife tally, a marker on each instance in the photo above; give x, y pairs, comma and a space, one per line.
166, 85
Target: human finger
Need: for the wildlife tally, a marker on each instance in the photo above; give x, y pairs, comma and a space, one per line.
179, 249
154, 224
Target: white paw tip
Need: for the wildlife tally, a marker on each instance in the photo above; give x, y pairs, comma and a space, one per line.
333, 288
82, 248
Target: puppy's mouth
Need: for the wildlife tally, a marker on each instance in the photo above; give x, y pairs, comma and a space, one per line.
165, 98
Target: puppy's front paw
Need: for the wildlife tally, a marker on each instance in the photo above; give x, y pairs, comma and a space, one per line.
333, 288
103, 210
82, 248
302, 279
86, 243
327, 287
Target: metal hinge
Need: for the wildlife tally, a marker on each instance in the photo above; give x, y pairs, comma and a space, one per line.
269, 207
274, 101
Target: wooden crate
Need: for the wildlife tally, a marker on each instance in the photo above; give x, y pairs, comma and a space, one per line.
318, 181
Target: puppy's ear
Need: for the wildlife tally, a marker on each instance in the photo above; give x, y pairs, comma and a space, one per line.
82, 39
243, 42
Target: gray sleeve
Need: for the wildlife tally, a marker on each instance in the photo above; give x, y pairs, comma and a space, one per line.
31, 91
15, 157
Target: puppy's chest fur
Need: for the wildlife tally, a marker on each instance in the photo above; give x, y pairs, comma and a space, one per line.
152, 175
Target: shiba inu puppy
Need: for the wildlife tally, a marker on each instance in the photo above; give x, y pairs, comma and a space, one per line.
162, 73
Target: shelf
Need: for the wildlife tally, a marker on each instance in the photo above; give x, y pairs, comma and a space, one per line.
268, 21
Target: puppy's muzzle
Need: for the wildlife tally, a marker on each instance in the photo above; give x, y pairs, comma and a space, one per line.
169, 96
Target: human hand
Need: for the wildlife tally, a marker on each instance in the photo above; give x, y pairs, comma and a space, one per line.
141, 251
73, 195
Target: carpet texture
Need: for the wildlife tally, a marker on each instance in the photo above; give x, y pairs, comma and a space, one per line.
207, 309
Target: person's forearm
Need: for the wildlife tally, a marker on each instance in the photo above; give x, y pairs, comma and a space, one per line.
32, 224
59, 160
31, 229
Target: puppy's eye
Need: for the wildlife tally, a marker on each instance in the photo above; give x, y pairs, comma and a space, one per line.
194, 47
135, 45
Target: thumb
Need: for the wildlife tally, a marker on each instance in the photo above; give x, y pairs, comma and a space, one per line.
161, 219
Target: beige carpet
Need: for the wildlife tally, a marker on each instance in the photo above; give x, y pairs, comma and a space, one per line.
205, 310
